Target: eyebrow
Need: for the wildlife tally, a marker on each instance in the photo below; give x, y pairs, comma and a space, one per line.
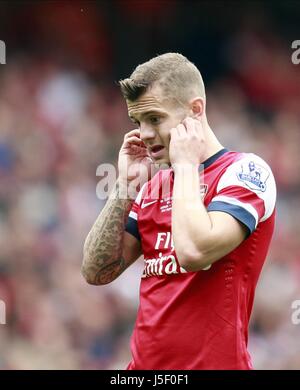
146, 113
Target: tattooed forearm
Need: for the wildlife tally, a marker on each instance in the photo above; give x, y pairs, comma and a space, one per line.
102, 253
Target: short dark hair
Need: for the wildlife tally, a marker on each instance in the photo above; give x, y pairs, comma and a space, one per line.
175, 74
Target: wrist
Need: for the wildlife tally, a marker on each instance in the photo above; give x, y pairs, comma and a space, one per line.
185, 168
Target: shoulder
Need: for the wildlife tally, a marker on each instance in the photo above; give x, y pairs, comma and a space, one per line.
248, 170
246, 189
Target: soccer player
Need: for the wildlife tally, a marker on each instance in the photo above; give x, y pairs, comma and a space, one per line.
204, 240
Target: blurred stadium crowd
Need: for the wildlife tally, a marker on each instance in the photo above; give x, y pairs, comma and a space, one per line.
57, 124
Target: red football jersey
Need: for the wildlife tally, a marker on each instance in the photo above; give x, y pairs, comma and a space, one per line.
199, 320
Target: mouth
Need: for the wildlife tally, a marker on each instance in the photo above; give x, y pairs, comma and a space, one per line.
157, 151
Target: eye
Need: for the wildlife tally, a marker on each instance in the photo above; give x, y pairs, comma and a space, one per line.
154, 120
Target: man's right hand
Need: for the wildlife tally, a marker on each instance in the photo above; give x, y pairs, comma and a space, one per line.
134, 159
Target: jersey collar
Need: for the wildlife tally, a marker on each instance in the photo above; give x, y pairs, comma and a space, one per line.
212, 159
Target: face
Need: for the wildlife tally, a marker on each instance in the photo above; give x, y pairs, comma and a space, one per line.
156, 116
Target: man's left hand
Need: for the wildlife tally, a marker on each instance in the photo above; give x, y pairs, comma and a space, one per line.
187, 143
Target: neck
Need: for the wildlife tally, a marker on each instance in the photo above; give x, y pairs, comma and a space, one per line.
213, 145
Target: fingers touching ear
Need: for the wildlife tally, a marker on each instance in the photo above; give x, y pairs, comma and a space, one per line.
197, 106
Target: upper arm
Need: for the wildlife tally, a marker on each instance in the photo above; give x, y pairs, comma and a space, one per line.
246, 191
227, 234
245, 196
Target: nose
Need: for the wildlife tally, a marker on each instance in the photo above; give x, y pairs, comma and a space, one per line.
146, 133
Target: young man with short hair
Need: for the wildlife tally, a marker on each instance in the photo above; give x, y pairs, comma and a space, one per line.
204, 240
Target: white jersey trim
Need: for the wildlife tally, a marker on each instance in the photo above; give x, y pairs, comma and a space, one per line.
264, 188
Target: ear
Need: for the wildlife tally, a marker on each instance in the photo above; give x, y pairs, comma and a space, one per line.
197, 107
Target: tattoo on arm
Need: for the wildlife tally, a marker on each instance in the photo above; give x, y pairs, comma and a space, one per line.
103, 260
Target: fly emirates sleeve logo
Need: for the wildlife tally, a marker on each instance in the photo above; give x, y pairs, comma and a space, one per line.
163, 264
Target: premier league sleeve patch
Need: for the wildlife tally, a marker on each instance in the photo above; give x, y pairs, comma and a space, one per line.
247, 191
253, 175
